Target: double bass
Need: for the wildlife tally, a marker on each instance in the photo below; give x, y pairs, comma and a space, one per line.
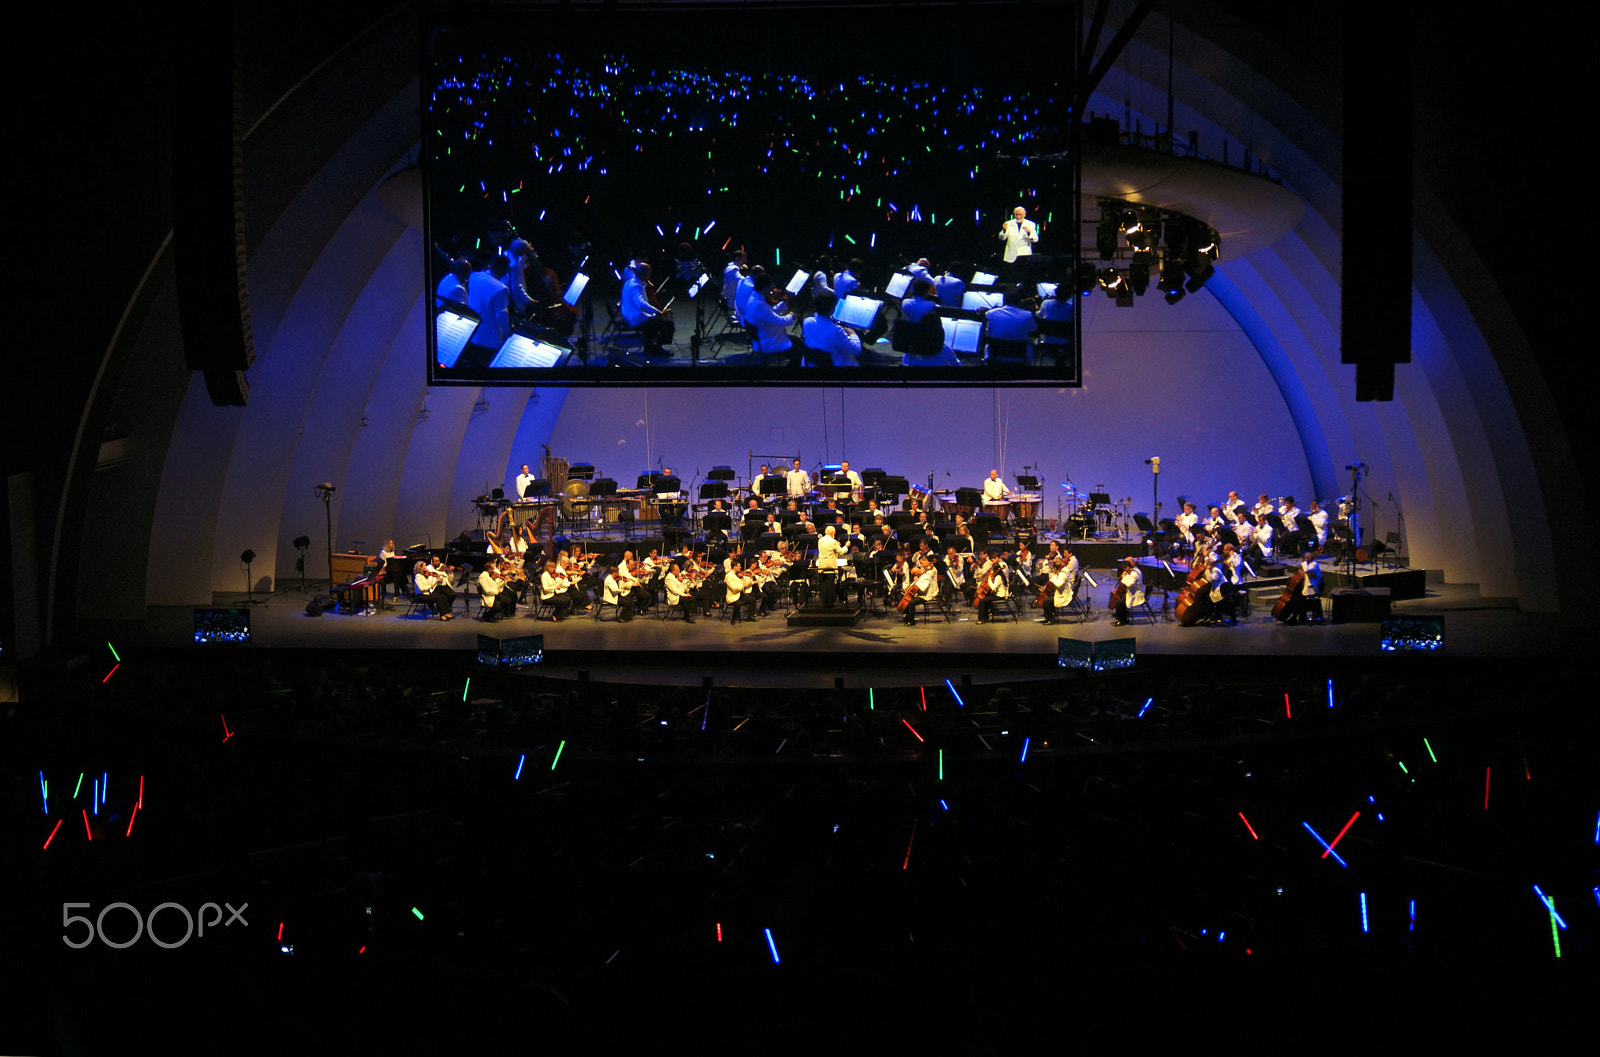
1293, 587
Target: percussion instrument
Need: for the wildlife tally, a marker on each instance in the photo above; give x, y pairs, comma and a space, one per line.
575, 496
1025, 507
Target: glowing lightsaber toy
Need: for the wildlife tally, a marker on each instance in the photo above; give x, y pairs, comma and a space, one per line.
417, 912
87, 831
52, 836
1324, 843
771, 946
959, 703
1247, 825
520, 761
1431, 756
1024, 758
1148, 702
912, 729
114, 655
1342, 832
1550, 905
1364, 912
923, 693
558, 754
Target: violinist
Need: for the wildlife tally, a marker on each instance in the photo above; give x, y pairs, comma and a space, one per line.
556, 589
654, 325
679, 593
499, 600
920, 303
433, 587
820, 283
768, 312
619, 591
824, 335
949, 287
956, 580
746, 290
1011, 321
731, 276
739, 591
846, 283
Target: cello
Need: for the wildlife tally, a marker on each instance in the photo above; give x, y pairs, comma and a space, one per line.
1192, 602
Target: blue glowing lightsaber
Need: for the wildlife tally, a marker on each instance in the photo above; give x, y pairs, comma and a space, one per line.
520, 761
1364, 912
1024, 758
1326, 846
1330, 693
1145, 709
959, 703
44, 792
772, 946
1549, 905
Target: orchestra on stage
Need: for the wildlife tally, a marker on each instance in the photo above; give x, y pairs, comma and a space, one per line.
830, 536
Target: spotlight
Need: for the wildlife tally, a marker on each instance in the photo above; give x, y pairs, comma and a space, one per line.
1198, 275
1139, 274
302, 542
248, 556
1171, 281
1086, 278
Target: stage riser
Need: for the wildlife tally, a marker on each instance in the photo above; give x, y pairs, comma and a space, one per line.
1403, 584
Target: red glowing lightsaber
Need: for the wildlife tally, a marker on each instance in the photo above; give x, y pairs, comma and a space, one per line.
1342, 832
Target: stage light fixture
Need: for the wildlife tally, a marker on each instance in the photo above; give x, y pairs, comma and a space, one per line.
248, 556
302, 542
1139, 275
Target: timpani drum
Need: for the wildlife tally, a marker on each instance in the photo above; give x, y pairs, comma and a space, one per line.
1025, 507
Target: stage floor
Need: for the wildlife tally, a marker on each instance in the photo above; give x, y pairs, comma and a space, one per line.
768, 652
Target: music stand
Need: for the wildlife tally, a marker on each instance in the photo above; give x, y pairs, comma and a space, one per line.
1027, 483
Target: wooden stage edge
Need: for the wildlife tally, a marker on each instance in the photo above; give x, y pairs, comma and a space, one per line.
768, 650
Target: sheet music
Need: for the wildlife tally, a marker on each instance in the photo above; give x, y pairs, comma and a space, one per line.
575, 289
522, 351
962, 334
899, 283
858, 312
